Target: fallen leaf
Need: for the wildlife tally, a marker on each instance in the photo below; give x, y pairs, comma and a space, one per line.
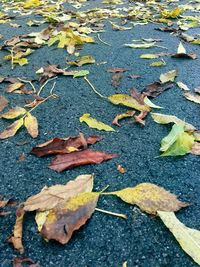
50, 197
156, 88
93, 123
84, 157
12, 129
82, 61
197, 90
116, 80
80, 73
14, 86
181, 53
188, 238
22, 157
3, 102
18, 262
121, 169
128, 101
148, 102
64, 145
31, 124
195, 149
140, 118
128, 114
117, 70
158, 63
16, 238
149, 56
168, 76
182, 86
150, 198
165, 119
174, 13
13, 113
142, 45
192, 97
63, 221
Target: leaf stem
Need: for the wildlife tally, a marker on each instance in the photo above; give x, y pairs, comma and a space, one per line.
123, 216
98, 35
93, 88
26, 81
42, 87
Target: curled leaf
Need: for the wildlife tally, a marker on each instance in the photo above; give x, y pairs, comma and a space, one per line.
12, 129
128, 114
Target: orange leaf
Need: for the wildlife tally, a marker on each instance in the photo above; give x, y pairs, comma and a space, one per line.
31, 124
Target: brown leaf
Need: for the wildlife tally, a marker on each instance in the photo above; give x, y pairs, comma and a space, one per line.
134, 76
140, 118
64, 145
12, 129
63, 221
16, 238
14, 86
3, 102
137, 96
156, 88
18, 262
117, 70
150, 198
50, 197
185, 55
128, 114
121, 169
31, 124
84, 157
116, 80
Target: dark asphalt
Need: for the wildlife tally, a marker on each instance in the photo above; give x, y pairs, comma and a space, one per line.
105, 241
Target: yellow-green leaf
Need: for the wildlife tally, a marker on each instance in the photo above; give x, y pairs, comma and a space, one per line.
82, 61
93, 123
165, 119
188, 238
182, 86
12, 129
128, 101
149, 56
150, 198
158, 63
31, 124
148, 102
174, 13
13, 113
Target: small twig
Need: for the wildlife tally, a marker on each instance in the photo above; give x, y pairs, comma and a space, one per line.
93, 88
26, 81
123, 216
42, 87
160, 46
98, 35
52, 88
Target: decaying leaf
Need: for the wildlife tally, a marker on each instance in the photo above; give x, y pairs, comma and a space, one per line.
116, 80
18, 262
156, 88
12, 129
121, 169
14, 86
31, 124
168, 76
195, 149
128, 114
128, 101
192, 97
140, 118
16, 238
183, 86
148, 102
50, 197
13, 113
165, 119
64, 145
84, 157
3, 103
61, 222
188, 238
150, 198
181, 53
117, 70
82, 61
6, 203
93, 123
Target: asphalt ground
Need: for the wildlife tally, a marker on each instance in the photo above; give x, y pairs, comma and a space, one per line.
104, 241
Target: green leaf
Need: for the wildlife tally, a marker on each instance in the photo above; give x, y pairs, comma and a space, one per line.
149, 56
93, 123
81, 73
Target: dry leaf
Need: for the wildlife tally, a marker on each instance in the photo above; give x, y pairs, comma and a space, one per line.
140, 118
61, 222
3, 102
150, 198
84, 157
13, 113
168, 76
181, 53
14, 86
64, 145
18, 262
117, 70
12, 129
16, 238
121, 169
182, 86
31, 124
116, 80
195, 149
128, 114
192, 97
188, 238
50, 197
82, 61
93, 123
156, 88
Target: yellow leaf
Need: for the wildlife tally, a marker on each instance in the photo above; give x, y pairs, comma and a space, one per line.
82, 61
21, 61
150, 198
13, 113
165, 119
14, 86
40, 218
181, 49
12, 129
158, 63
149, 56
31, 124
148, 102
188, 238
128, 101
172, 13
32, 3
93, 123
